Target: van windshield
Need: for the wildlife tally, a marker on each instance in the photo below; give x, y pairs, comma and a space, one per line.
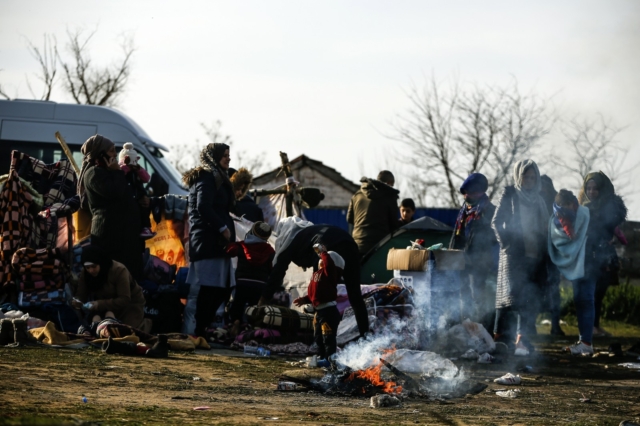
175, 174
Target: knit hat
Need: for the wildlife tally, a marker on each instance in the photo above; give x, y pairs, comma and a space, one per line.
128, 155
261, 230
475, 182
337, 259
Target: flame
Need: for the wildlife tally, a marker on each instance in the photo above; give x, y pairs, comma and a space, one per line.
372, 374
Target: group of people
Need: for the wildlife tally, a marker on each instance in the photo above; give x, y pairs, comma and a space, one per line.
542, 235
529, 239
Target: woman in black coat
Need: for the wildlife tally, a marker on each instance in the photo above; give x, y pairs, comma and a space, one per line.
607, 211
520, 225
103, 189
211, 199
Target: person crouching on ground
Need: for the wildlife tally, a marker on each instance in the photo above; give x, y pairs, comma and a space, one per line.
322, 293
567, 247
255, 258
106, 288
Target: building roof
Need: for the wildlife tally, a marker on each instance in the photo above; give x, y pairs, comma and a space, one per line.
304, 161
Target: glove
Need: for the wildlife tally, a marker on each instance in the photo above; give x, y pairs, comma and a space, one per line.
87, 307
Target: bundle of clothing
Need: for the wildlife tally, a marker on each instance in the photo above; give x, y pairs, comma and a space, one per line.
40, 275
35, 202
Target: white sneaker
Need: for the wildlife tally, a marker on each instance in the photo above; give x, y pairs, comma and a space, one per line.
512, 393
580, 349
508, 379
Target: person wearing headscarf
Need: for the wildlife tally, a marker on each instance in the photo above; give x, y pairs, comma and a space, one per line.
608, 211
567, 243
103, 189
105, 285
552, 300
520, 225
211, 199
473, 234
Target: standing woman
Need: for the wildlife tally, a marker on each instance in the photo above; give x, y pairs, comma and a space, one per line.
103, 189
211, 198
520, 225
607, 211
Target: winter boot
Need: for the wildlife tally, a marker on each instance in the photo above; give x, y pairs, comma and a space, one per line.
122, 348
21, 335
6, 332
160, 349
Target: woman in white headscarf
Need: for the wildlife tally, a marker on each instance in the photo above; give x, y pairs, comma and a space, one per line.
520, 224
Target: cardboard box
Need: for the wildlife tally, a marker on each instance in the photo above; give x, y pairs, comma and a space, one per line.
416, 260
407, 260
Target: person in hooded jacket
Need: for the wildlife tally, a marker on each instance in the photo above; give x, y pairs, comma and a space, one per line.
103, 189
520, 225
105, 285
473, 234
607, 211
373, 211
211, 199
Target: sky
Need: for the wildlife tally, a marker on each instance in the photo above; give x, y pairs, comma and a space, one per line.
326, 78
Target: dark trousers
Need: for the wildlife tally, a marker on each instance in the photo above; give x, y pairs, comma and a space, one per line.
325, 329
247, 293
208, 302
349, 252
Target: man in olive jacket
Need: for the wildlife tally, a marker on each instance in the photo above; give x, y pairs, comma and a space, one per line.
373, 211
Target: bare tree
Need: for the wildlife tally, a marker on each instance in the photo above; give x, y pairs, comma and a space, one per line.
455, 131
3, 93
91, 84
185, 157
593, 145
47, 59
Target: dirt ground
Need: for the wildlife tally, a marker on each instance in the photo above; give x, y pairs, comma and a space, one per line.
47, 386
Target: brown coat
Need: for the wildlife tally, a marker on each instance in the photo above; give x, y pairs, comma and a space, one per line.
121, 295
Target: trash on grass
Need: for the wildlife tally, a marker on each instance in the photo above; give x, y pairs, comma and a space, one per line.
633, 365
511, 393
508, 379
203, 408
384, 401
485, 358
470, 354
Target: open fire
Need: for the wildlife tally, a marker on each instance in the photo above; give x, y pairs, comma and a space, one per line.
373, 376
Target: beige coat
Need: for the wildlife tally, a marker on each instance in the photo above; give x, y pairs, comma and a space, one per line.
121, 295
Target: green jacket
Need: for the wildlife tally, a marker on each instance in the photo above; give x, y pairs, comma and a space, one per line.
373, 212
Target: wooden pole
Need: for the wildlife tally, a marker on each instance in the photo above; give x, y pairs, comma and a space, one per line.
67, 152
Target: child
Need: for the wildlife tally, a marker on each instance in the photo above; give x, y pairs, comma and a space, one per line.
255, 258
567, 250
322, 293
407, 210
136, 176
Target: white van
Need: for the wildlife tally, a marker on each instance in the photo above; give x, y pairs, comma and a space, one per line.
30, 126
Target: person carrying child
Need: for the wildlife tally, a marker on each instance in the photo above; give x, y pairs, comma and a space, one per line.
255, 258
322, 293
135, 176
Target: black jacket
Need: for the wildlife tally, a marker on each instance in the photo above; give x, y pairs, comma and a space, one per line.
209, 205
602, 223
115, 225
249, 209
480, 243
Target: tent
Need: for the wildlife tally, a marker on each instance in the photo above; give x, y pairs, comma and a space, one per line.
375, 261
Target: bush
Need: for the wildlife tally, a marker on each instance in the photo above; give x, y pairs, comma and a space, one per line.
621, 303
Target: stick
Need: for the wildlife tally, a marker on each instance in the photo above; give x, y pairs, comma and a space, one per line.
410, 382
67, 152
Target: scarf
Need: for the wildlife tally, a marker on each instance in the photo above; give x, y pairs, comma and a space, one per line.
93, 149
210, 157
565, 217
605, 190
568, 254
468, 215
528, 196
